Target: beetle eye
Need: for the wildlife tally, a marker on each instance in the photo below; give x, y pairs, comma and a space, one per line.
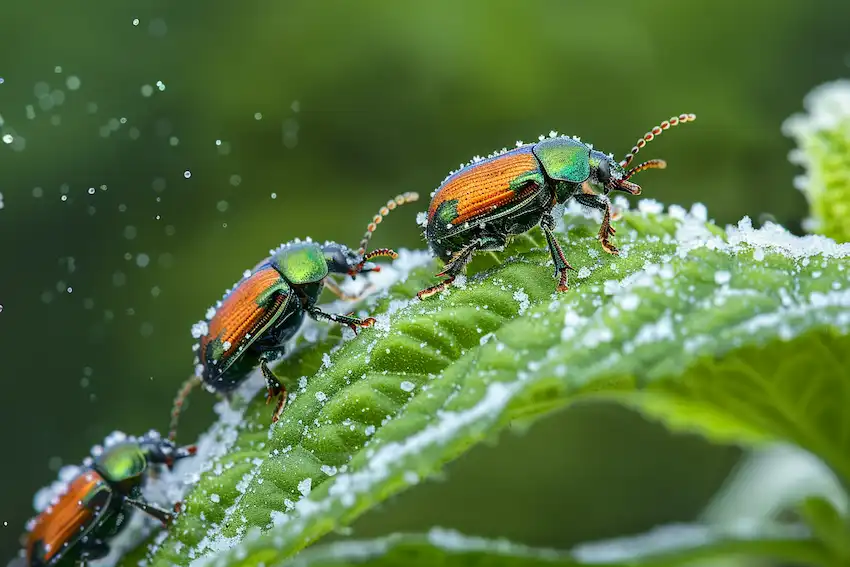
603, 172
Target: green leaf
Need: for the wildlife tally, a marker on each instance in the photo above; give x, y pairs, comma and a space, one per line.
668, 546
741, 335
828, 526
823, 149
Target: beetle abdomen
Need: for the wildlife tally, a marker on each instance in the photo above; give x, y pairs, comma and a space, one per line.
486, 186
243, 316
63, 523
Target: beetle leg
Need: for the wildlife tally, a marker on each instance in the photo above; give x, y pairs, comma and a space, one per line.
352, 323
452, 268
334, 288
274, 388
163, 516
605, 230
558, 257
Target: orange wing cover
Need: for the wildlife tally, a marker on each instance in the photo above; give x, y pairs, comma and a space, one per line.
244, 310
481, 187
63, 523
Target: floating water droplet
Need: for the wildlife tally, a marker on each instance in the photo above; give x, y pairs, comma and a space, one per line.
8, 139
73, 82
187, 174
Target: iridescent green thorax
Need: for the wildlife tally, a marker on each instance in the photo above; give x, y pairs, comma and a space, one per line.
301, 263
564, 159
121, 462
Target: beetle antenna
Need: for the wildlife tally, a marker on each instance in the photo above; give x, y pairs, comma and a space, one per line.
656, 131
384, 211
183, 393
649, 164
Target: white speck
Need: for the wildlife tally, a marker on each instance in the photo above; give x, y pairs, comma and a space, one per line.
328, 470
73, 82
187, 174
274, 195
135, 21
305, 485
321, 396
369, 430
629, 302
200, 329
421, 218
215, 498
650, 206
584, 272
7, 138
326, 360
522, 298
407, 386
758, 254
722, 277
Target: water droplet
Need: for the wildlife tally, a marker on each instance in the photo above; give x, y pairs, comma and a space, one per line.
142, 260
91, 190
73, 82
258, 116
235, 180
160, 85
130, 232
173, 140
8, 139
222, 206
274, 195
135, 21
37, 192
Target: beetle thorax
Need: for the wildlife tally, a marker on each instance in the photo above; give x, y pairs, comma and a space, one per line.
301, 263
122, 462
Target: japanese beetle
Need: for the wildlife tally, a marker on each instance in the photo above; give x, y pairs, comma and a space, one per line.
97, 503
486, 201
252, 323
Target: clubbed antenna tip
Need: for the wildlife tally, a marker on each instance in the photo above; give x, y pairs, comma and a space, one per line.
402, 199
649, 136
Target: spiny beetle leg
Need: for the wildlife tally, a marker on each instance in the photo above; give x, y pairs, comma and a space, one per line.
434, 289
334, 288
352, 323
605, 230
558, 257
163, 516
274, 388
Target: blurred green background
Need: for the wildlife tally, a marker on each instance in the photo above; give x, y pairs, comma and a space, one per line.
335, 107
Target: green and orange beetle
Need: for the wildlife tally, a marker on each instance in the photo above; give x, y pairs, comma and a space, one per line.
486, 201
255, 319
98, 502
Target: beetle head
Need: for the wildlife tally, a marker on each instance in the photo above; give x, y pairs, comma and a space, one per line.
163, 451
613, 175
341, 259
